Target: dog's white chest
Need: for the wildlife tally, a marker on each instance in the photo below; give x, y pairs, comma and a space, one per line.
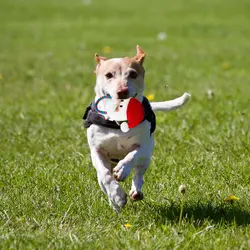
114, 142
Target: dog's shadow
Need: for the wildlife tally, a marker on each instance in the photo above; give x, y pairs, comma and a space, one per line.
198, 213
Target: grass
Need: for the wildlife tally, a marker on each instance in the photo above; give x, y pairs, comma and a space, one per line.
49, 196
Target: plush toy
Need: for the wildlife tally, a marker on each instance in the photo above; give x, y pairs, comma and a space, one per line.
127, 112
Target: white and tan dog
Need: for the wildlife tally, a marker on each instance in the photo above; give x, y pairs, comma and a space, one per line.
123, 78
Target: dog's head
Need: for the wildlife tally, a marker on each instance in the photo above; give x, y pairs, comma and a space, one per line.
121, 78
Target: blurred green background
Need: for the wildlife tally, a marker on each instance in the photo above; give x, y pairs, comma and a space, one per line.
48, 188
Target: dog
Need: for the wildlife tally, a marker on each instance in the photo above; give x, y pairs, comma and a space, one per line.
115, 153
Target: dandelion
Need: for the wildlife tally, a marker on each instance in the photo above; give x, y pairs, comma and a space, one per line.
210, 94
1, 76
86, 2
127, 225
182, 191
225, 65
68, 86
21, 115
162, 36
150, 97
107, 50
232, 198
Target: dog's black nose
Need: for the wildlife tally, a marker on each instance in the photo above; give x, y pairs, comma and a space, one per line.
123, 93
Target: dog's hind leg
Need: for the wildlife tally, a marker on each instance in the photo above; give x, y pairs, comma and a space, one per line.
117, 197
136, 193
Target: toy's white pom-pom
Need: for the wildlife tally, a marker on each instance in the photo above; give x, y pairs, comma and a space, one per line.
124, 127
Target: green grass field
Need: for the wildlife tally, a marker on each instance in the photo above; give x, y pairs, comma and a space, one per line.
49, 195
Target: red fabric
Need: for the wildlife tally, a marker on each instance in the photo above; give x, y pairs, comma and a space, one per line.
135, 113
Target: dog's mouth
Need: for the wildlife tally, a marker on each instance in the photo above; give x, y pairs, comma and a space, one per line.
105, 93
127, 97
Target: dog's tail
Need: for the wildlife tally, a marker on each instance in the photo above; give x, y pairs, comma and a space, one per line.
170, 105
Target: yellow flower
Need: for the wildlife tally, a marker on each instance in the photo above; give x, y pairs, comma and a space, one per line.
127, 225
150, 97
231, 198
225, 65
106, 50
1, 76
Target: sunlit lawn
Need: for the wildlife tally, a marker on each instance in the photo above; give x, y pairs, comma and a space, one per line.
49, 195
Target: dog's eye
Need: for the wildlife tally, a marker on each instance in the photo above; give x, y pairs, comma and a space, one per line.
109, 75
133, 74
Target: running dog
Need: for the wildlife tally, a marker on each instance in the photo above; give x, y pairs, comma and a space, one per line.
115, 153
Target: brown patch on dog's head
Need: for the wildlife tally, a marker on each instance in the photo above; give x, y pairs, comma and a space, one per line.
134, 64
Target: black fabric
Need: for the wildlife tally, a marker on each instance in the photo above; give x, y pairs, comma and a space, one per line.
92, 117
149, 114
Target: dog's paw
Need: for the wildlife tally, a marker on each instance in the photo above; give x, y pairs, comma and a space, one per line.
121, 171
118, 199
136, 195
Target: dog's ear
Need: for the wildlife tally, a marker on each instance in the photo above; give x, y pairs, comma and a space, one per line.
140, 55
99, 59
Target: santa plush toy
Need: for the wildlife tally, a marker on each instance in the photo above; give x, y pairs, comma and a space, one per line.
128, 113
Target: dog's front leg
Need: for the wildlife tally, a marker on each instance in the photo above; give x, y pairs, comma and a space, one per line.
117, 197
137, 157
124, 166
138, 160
